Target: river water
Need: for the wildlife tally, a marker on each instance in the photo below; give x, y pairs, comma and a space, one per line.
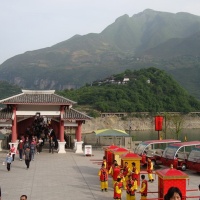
185, 135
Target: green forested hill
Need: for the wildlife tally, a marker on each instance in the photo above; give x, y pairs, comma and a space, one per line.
148, 90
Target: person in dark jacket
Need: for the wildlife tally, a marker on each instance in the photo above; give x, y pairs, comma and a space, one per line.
51, 145
27, 154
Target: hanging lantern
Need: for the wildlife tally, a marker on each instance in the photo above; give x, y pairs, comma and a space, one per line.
158, 123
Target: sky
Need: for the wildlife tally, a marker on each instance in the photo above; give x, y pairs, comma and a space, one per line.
27, 25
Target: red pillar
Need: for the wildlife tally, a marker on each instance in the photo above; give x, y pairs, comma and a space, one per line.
78, 131
14, 124
61, 135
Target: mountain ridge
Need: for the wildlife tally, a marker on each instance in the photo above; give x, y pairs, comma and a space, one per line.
124, 44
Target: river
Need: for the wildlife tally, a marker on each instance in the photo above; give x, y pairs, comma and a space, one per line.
185, 135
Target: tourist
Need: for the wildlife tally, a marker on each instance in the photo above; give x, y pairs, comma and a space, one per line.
27, 154
39, 145
9, 160
173, 193
32, 148
13, 151
150, 170
103, 176
51, 145
23, 197
144, 187
26, 143
199, 191
20, 149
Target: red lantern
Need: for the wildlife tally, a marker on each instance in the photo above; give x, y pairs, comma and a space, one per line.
158, 123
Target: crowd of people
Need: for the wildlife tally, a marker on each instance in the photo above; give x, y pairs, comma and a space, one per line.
125, 179
32, 142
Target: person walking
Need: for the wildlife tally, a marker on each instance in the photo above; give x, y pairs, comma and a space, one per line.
23, 197
144, 187
32, 148
26, 143
20, 149
9, 160
51, 145
150, 170
13, 151
27, 154
103, 176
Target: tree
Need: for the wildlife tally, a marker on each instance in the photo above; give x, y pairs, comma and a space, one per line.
177, 124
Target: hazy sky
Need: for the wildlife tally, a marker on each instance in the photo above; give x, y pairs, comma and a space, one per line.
28, 25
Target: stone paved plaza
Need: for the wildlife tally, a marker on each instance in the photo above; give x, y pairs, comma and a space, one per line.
67, 176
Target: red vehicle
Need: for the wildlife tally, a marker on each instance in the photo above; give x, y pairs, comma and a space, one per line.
152, 149
193, 161
177, 154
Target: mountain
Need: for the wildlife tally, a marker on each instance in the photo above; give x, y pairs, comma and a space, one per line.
7, 90
124, 44
189, 46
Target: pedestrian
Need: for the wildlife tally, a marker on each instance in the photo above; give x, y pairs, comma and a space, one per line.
144, 187
32, 148
131, 188
20, 149
26, 143
51, 145
150, 170
103, 176
173, 193
199, 191
13, 151
23, 197
39, 146
27, 154
118, 189
9, 160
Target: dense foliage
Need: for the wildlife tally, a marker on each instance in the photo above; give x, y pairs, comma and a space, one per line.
148, 90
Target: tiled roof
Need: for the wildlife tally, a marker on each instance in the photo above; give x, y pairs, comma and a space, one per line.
70, 114
5, 114
74, 114
46, 97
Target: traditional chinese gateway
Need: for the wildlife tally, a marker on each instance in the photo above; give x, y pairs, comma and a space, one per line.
22, 109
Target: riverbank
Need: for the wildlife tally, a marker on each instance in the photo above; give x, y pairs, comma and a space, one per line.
135, 123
